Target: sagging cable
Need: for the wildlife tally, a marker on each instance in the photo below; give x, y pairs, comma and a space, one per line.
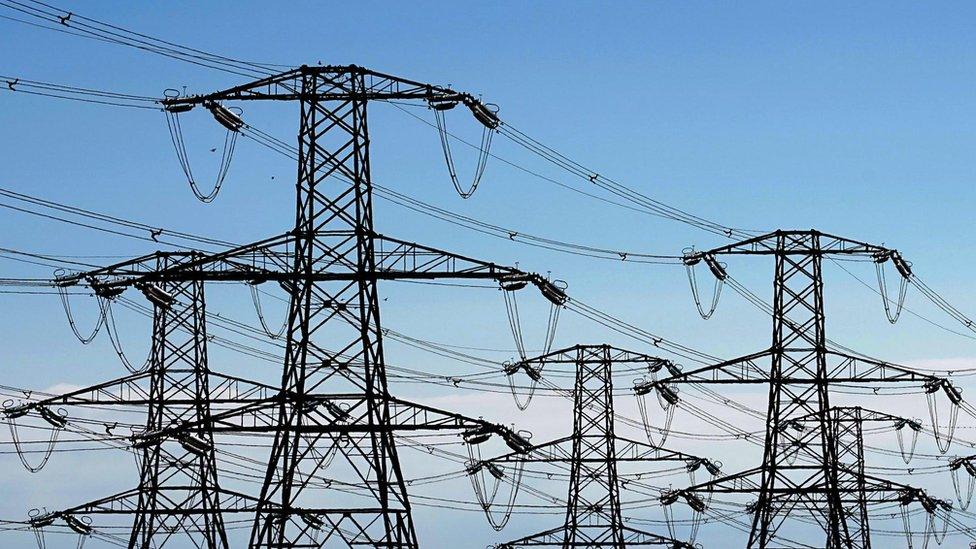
943, 440
551, 290
477, 468
57, 420
228, 117
904, 268
691, 259
967, 465
929, 505
916, 428
668, 405
487, 115
534, 374
256, 298
63, 282
37, 521
939, 533
113, 335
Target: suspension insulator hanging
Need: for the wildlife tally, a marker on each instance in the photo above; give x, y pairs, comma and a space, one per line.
965, 464
313, 521
442, 103
692, 259
514, 282
487, 117
943, 439
195, 445
486, 113
476, 468
517, 441
157, 296
225, 116
79, 525
904, 269
907, 452
62, 285
477, 435
229, 118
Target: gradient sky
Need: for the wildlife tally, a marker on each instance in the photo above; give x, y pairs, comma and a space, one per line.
856, 119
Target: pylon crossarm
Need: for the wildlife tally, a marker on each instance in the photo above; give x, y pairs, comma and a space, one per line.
737, 370
637, 538
396, 259
857, 369
737, 483
570, 355
796, 243
560, 450
556, 537
286, 86
856, 414
553, 451
270, 260
267, 256
124, 390
632, 450
127, 391
345, 413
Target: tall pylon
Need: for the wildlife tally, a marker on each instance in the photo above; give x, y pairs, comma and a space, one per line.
178, 490
847, 424
246, 406
802, 369
593, 514
334, 304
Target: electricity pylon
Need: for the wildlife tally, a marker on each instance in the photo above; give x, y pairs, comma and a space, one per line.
178, 488
180, 381
802, 369
593, 516
847, 424
334, 262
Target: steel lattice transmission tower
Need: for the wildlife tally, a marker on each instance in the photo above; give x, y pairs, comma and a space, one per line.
801, 469
593, 514
178, 490
847, 424
333, 397
333, 286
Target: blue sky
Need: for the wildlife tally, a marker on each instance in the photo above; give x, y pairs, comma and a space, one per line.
855, 119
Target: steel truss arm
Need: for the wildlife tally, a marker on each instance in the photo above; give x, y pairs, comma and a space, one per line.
795, 244
846, 369
570, 355
127, 391
287, 86
342, 414
556, 537
880, 490
270, 260
627, 450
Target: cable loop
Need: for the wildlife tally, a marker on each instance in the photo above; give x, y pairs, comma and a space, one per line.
230, 142
484, 151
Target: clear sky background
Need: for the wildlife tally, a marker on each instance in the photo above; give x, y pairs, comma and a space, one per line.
856, 119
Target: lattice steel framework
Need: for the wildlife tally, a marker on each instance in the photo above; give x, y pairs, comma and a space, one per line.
800, 468
334, 234
593, 517
847, 427
178, 487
